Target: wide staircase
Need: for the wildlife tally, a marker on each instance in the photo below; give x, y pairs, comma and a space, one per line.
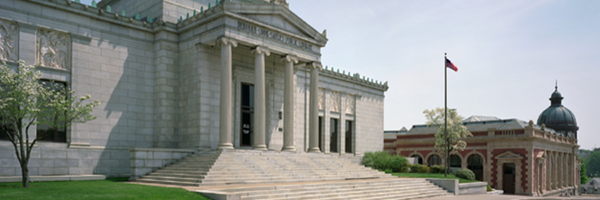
246, 173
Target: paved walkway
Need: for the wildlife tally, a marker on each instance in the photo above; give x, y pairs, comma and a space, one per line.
504, 197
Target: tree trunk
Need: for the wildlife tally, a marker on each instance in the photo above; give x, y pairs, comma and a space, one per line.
25, 175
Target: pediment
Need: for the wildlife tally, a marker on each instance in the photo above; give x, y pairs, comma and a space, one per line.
277, 21
277, 18
509, 155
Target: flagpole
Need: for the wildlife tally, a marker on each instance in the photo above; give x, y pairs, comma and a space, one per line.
446, 116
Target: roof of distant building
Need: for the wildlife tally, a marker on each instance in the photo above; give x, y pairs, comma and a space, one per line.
478, 118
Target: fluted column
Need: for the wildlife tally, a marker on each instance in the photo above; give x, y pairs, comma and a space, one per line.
259, 98
288, 103
314, 108
225, 117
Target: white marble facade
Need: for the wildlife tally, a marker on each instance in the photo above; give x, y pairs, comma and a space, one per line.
174, 84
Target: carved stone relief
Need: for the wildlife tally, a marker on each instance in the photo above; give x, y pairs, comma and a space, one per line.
9, 34
349, 104
53, 49
321, 98
335, 101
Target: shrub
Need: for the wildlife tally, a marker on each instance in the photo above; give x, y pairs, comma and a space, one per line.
388, 171
437, 169
381, 160
465, 174
374, 159
417, 168
398, 163
489, 188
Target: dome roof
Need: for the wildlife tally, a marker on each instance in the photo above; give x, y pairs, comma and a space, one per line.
557, 116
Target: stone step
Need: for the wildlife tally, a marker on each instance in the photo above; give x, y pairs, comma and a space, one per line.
337, 187
355, 190
165, 182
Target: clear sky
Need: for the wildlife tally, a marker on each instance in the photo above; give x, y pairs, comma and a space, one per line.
509, 55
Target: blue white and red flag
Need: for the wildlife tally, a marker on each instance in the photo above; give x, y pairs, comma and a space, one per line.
451, 65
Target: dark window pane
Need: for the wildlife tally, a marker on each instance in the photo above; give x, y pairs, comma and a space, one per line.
52, 134
455, 161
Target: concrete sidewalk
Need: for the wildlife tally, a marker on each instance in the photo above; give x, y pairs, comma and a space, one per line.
504, 197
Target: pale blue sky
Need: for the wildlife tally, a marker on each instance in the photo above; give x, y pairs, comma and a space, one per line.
509, 54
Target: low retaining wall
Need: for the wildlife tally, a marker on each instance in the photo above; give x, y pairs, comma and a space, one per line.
472, 188
452, 186
146, 160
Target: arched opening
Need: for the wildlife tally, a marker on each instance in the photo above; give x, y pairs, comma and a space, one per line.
434, 160
418, 158
475, 164
455, 161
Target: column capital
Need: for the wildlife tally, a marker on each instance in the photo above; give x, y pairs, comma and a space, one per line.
290, 58
227, 40
316, 65
261, 50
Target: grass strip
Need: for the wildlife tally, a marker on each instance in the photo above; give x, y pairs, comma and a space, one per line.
112, 188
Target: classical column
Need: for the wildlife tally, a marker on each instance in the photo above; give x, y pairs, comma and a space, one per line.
548, 171
225, 105
288, 103
314, 108
259, 98
554, 171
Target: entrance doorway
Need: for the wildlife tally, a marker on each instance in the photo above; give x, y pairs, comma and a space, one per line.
475, 164
508, 178
247, 115
348, 136
333, 140
321, 147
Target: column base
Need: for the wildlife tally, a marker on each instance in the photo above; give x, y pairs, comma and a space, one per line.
288, 148
261, 147
314, 150
225, 146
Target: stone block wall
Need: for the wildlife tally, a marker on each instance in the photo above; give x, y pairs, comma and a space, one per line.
55, 159
146, 160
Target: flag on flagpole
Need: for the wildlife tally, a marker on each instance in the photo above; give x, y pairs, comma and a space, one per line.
451, 65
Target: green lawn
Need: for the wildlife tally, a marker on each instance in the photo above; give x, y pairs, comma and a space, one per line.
112, 188
428, 175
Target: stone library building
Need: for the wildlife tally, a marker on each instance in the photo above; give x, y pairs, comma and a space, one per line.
186, 77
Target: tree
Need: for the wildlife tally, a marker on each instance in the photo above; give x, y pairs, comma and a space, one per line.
456, 131
25, 101
584, 179
594, 164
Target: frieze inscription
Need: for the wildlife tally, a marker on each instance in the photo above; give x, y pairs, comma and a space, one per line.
273, 35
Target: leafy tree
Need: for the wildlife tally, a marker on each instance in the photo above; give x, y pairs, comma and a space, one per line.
594, 163
27, 102
584, 178
456, 131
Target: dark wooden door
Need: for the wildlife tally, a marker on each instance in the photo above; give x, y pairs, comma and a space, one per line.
247, 115
508, 179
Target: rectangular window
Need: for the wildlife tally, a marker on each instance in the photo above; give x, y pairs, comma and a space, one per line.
4, 129
53, 134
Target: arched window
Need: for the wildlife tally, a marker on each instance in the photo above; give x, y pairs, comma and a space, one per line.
419, 159
475, 164
455, 161
434, 160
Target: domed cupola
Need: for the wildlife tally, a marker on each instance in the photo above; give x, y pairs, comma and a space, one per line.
558, 117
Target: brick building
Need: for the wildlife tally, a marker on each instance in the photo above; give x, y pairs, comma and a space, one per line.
516, 156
